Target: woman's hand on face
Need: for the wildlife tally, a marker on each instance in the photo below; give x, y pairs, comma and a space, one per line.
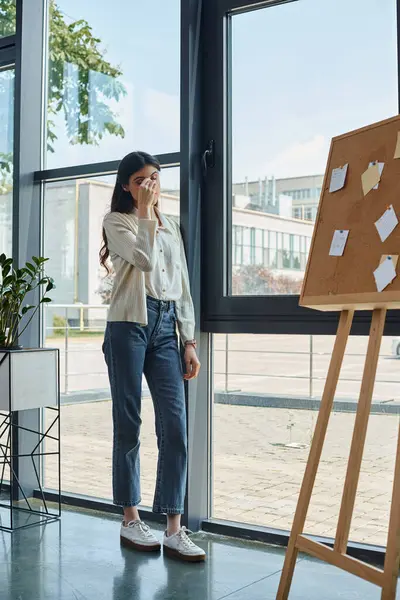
192, 363
147, 196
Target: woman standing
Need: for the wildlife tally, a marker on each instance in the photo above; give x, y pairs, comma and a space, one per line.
150, 296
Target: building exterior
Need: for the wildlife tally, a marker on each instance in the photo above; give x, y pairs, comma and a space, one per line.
304, 192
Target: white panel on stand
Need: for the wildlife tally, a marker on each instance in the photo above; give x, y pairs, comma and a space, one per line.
34, 379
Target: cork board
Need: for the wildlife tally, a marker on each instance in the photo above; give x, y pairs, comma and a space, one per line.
347, 281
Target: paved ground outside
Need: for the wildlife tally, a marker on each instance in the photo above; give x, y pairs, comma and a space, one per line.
259, 453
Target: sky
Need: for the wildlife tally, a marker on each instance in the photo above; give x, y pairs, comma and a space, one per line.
302, 73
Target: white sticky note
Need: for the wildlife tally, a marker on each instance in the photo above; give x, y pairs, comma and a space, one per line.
338, 178
338, 242
380, 166
384, 274
387, 223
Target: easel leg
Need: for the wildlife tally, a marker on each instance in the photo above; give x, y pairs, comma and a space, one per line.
392, 559
360, 430
321, 427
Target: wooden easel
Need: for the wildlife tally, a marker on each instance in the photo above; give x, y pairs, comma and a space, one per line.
386, 578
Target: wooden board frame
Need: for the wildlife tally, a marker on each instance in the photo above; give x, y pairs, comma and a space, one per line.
347, 282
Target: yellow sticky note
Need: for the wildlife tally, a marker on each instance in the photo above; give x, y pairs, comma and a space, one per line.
397, 151
370, 178
394, 258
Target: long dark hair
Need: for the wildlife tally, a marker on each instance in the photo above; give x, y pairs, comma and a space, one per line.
122, 200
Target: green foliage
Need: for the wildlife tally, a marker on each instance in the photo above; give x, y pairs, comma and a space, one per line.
59, 325
7, 17
81, 81
15, 284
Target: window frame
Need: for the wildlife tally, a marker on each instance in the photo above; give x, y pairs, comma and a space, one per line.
222, 312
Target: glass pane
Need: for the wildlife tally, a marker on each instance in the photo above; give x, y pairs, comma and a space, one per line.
288, 101
6, 196
6, 158
267, 392
7, 18
75, 322
114, 80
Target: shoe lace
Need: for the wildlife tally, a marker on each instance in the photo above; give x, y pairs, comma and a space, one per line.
145, 529
183, 537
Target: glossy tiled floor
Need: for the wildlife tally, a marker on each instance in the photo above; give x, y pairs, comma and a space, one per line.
80, 559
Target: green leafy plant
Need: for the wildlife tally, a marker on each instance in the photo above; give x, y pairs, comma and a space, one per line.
15, 284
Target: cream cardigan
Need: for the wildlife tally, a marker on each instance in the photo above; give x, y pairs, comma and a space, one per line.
131, 242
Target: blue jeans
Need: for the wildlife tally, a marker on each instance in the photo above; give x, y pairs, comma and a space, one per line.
130, 351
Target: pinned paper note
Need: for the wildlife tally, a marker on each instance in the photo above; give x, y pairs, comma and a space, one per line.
338, 242
370, 178
385, 274
397, 150
380, 167
338, 178
387, 223
394, 257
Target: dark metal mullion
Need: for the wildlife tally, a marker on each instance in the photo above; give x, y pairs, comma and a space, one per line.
213, 213
246, 325
8, 42
280, 537
7, 58
228, 157
91, 503
103, 168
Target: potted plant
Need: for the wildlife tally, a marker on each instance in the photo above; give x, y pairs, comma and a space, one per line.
28, 377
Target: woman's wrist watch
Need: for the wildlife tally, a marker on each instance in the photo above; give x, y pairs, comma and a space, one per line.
191, 343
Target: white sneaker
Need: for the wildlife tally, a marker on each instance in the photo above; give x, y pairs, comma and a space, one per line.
137, 534
181, 546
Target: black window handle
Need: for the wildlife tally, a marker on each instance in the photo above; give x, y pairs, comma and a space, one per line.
208, 158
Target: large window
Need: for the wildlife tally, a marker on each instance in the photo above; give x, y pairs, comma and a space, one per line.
284, 88
114, 79
74, 322
288, 100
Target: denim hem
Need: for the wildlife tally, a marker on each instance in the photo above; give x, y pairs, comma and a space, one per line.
168, 511
126, 504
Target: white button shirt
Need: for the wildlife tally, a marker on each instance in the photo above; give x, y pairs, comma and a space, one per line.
164, 281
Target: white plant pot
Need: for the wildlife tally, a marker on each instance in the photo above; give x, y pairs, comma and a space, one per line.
28, 378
